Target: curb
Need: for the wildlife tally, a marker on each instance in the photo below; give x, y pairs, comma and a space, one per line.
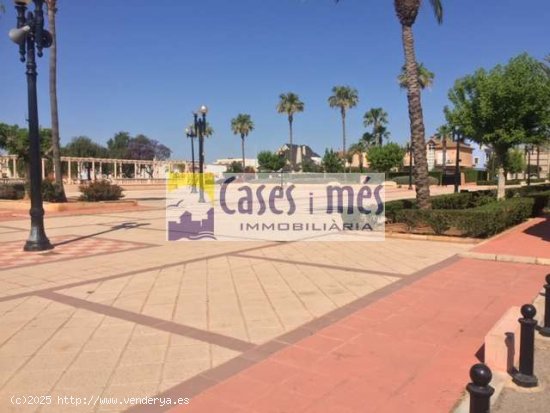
505, 258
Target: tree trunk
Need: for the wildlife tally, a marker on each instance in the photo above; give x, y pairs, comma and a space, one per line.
291, 151
242, 149
56, 146
538, 162
501, 153
344, 138
417, 121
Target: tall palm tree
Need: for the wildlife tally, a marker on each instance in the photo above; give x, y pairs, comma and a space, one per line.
425, 77
343, 98
378, 119
407, 12
56, 145
242, 125
444, 132
290, 103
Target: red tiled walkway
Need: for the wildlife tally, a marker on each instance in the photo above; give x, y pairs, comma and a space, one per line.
408, 352
530, 239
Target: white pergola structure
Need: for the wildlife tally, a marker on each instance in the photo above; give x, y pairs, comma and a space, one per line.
142, 170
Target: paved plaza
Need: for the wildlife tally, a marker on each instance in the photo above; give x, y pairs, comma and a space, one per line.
115, 311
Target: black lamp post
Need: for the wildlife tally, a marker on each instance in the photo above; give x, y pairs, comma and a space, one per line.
410, 150
200, 130
191, 134
32, 38
458, 138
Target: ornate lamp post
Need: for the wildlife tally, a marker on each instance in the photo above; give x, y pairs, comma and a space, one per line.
191, 134
200, 129
458, 138
32, 38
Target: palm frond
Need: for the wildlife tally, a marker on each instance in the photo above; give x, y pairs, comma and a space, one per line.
437, 6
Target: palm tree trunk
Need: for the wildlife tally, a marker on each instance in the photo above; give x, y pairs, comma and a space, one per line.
242, 148
291, 152
56, 146
417, 121
344, 137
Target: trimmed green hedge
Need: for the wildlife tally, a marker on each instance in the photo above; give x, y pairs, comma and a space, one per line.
480, 222
12, 191
100, 191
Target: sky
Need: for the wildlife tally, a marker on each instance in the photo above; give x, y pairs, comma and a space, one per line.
144, 67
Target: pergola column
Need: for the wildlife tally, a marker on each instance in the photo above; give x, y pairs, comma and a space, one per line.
70, 177
135, 170
43, 169
15, 173
93, 170
101, 169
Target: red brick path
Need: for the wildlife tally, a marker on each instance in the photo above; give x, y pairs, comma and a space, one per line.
408, 352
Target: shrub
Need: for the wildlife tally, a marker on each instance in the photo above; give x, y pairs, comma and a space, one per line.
100, 191
541, 200
481, 222
393, 207
404, 180
51, 192
12, 191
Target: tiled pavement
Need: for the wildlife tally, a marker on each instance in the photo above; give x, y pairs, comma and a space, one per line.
177, 319
148, 316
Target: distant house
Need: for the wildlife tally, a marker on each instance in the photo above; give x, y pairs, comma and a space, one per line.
299, 153
441, 153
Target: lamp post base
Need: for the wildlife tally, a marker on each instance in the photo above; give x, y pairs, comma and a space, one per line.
524, 380
41, 245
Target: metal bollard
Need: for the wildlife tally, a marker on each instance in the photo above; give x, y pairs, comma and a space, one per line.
526, 377
479, 389
545, 329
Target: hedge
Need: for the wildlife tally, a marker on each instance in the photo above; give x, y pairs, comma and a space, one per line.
100, 191
481, 222
12, 191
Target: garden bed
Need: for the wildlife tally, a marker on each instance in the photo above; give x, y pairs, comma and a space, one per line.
467, 214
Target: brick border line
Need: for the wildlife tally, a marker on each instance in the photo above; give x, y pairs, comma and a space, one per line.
149, 321
209, 378
518, 259
319, 265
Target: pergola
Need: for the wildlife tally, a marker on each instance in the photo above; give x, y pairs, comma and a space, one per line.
142, 169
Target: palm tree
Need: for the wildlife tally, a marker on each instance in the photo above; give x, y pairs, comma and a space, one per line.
242, 125
407, 12
378, 118
290, 103
343, 98
444, 132
425, 77
56, 145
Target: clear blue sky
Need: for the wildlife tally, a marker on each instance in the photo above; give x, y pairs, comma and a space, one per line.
143, 66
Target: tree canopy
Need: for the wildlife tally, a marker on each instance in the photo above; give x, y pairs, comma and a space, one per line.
270, 161
385, 158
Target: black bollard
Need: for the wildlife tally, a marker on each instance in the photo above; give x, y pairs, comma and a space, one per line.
526, 377
479, 389
545, 329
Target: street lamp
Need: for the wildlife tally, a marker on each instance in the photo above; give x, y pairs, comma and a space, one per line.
200, 130
458, 137
32, 38
191, 134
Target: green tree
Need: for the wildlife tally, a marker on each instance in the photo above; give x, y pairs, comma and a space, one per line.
118, 145
332, 163
290, 104
54, 111
343, 98
503, 107
514, 162
425, 77
15, 141
359, 148
270, 161
385, 158
84, 147
242, 125
407, 12
235, 168
378, 119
